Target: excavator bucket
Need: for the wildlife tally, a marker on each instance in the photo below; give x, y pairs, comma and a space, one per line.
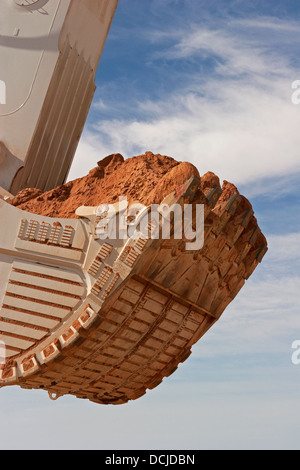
106, 317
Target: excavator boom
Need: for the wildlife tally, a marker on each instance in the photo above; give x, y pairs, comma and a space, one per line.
49, 54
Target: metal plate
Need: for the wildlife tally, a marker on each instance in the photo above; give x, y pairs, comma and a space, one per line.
26, 3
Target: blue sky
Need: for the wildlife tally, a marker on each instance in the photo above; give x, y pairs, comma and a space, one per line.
209, 83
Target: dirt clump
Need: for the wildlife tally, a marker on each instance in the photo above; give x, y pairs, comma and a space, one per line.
25, 196
146, 178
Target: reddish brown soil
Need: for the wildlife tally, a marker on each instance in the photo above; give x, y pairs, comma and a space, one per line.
145, 178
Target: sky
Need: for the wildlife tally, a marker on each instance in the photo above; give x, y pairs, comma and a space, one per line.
210, 83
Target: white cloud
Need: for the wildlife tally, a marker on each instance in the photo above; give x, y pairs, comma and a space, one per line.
100, 105
238, 122
241, 133
233, 53
264, 23
257, 47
